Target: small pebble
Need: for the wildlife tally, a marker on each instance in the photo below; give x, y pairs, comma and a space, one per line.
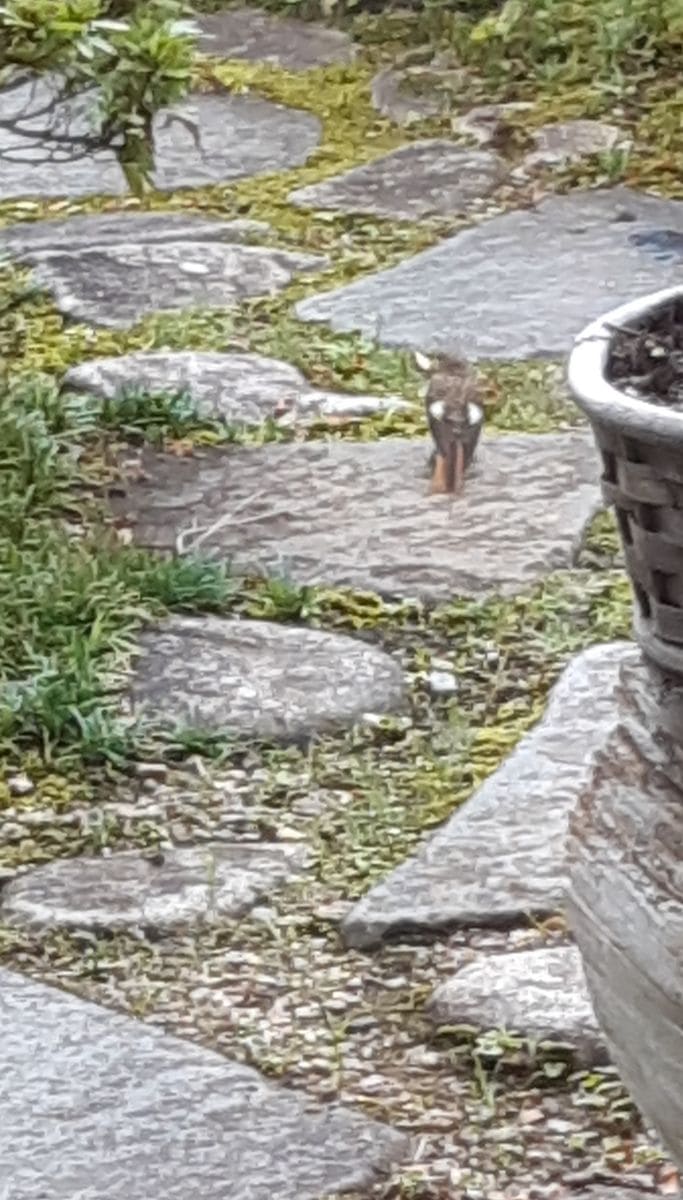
372, 1083
557, 1126
151, 770
20, 785
361, 1024
442, 683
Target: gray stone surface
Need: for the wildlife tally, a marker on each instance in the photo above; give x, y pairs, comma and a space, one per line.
414, 93
252, 34
117, 285
568, 141
361, 514
540, 994
501, 855
521, 285
238, 136
257, 678
240, 389
486, 123
109, 229
425, 179
178, 888
209, 138
97, 1105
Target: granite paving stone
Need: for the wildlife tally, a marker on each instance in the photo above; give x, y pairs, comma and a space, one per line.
565, 142
540, 994
520, 285
360, 514
239, 389
414, 93
209, 138
501, 856
258, 678
257, 36
424, 179
163, 892
119, 284
97, 1105
114, 228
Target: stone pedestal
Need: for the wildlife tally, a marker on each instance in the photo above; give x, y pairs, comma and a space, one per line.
626, 894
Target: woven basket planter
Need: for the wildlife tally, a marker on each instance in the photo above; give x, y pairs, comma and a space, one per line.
625, 851
641, 445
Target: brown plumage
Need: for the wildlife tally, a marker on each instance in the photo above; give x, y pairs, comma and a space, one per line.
455, 418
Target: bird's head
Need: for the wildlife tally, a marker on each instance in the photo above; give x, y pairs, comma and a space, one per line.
443, 363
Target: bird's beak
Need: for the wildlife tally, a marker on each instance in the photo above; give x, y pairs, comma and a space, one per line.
422, 362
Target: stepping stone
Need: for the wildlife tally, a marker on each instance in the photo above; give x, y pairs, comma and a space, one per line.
424, 179
116, 286
98, 1104
360, 514
240, 389
209, 138
251, 34
179, 889
486, 122
414, 93
539, 994
569, 141
521, 285
500, 857
109, 229
238, 136
259, 679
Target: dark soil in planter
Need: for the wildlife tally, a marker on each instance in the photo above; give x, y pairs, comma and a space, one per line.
646, 359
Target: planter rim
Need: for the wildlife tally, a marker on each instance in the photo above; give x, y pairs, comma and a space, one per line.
597, 397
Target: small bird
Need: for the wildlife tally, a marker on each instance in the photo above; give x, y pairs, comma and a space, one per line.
455, 418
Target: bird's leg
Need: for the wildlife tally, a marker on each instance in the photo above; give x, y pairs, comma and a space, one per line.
454, 468
459, 468
439, 474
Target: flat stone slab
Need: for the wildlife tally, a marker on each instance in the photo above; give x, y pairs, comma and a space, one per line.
511, 288
96, 1104
425, 179
540, 994
414, 93
569, 141
258, 678
177, 889
239, 389
500, 857
486, 123
209, 138
251, 34
109, 229
117, 285
360, 515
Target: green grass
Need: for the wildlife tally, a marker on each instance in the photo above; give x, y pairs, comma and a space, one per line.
71, 595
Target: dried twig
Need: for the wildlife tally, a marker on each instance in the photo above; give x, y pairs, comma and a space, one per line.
201, 533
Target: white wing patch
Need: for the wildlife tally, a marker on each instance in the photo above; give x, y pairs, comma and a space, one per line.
437, 409
475, 414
